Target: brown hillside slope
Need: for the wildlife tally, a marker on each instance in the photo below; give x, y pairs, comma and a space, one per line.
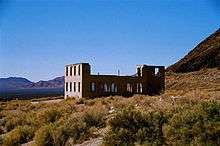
204, 55
207, 80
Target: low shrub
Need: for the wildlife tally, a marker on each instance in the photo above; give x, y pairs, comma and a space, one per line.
74, 128
49, 115
1, 130
19, 135
90, 102
23, 105
132, 126
79, 127
95, 116
199, 125
59, 134
80, 101
13, 120
43, 136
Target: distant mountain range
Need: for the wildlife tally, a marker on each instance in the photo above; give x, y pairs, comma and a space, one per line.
204, 55
23, 83
54, 83
14, 82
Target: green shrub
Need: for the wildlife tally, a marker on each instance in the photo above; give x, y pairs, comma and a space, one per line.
55, 134
32, 120
59, 136
67, 108
90, 102
95, 116
49, 116
75, 129
122, 137
80, 101
212, 110
43, 136
1, 139
132, 126
52, 135
2, 130
199, 125
14, 120
19, 135
70, 129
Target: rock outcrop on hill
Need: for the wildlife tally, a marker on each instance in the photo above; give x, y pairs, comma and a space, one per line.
204, 55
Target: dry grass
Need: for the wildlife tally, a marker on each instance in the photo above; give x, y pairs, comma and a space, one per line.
207, 79
95, 115
182, 90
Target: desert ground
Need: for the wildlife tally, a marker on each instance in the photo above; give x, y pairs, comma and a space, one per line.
187, 113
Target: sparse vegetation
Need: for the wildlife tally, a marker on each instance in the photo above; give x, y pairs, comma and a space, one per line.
197, 125
18, 135
49, 115
74, 129
187, 114
157, 120
131, 126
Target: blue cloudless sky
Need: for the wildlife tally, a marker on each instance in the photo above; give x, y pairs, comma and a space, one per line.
39, 37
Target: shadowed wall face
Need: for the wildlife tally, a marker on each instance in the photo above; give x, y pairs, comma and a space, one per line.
80, 83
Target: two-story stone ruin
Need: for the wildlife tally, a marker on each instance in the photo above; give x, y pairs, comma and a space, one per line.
79, 82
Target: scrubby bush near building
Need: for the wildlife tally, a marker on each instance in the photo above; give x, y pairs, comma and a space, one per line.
49, 115
198, 125
73, 129
19, 135
148, 121
13, 120
44, 136
95, 116
132, 126
195, 125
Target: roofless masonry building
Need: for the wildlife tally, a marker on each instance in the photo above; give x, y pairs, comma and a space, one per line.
80, 83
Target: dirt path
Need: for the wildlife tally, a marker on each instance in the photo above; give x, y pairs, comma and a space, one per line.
91, 142
48, 101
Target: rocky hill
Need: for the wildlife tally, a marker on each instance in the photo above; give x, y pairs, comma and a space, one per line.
204, 55
207, 80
